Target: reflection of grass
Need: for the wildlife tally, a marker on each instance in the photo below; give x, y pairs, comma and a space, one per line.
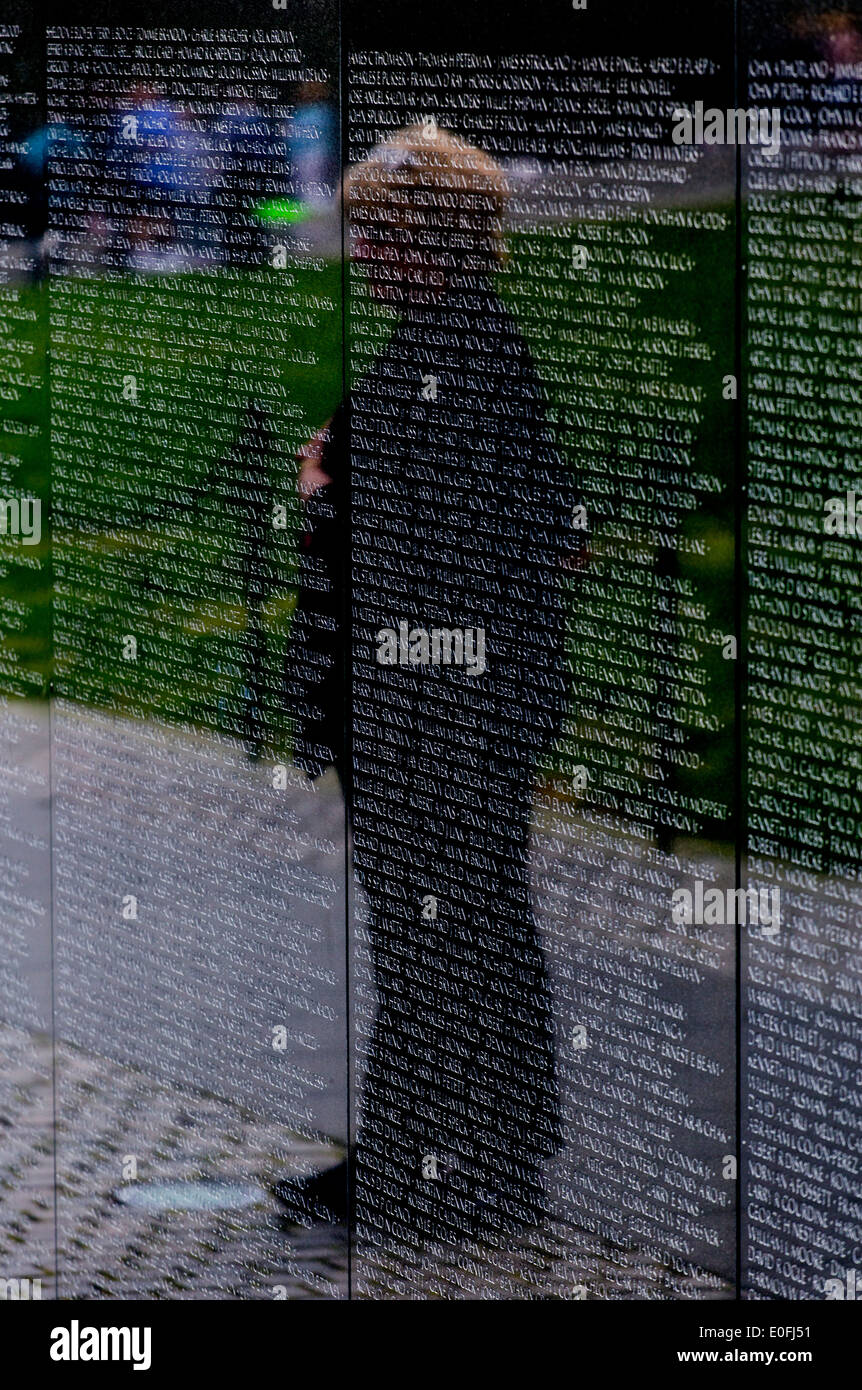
576, 344
151, 525
193, 479
25, 582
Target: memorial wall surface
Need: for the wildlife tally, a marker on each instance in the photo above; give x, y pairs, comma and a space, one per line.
801, 1070
430, 685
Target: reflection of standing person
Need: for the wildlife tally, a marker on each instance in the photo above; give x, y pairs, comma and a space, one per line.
459, 516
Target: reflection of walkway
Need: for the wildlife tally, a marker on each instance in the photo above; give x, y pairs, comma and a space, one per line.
110, 1251
165, 1015
107, 1250
199, 945
559, 1263
199, 916
26, 1157
645, 1037
165, 1025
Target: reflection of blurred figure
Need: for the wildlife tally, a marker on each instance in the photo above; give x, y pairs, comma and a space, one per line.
459, 517
835, 33
57, 140
833, 36
255, 167
312, 138
312, 147
58, 147
155, 163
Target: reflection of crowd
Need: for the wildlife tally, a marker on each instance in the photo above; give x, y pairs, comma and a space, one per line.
149, 185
